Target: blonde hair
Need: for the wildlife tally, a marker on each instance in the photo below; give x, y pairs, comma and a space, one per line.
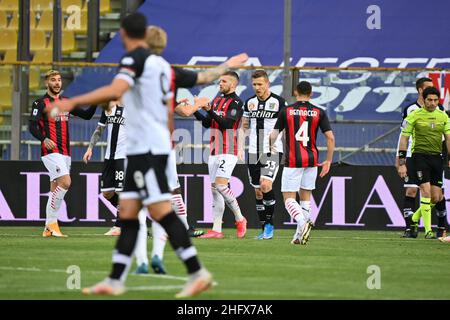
51, 73
156, 39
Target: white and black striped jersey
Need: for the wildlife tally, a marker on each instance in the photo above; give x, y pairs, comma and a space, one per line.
114, 120
262, 116
408, 109
149, 77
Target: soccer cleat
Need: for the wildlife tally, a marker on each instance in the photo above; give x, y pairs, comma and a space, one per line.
302, 236
241, 227
407, 234
212, 234
260, 236
197, 283
445, 239
108, 287
414, 232
194, 233
268, 231
142, 269
114, 231
52, 230
430, 235
441, 232
158, 265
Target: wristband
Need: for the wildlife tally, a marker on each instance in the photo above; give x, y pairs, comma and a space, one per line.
402, 154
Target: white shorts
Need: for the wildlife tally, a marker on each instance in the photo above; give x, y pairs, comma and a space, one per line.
172, 177
221, 166
294, 179
57, 165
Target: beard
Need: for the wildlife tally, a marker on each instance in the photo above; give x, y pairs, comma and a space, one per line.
54, 91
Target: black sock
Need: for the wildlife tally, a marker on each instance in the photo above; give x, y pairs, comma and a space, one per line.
114, 200
269, 205
180, 241
441, 212
122, 256
408, 210
260, 210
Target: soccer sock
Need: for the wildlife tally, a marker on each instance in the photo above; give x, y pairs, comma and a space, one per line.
53, 204
269, 205
159, 240
141, 246
425, 208
230, 200
306, 209
180, 241
441, 212
260, 210
295, 211
180, 208
122, 255
114, 200
408, 205
416, 216
218, 208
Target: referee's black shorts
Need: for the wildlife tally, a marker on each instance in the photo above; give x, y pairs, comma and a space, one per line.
428, 168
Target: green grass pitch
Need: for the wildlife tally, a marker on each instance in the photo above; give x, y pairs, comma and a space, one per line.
334, 265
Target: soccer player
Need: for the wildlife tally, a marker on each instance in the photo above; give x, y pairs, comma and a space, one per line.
53, 132
426, 125
143, 83
300, 123
260, 114
113, 175
223, 117
411, 184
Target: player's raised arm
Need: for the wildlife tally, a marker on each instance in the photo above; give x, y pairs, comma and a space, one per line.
212, 74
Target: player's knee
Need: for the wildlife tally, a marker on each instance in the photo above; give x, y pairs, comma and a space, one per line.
65, 182
266, 186
176, 191
411, 192
108, 194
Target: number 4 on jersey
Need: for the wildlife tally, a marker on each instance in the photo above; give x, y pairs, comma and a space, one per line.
302, 134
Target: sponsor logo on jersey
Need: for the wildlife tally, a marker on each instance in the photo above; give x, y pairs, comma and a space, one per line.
262, 114
251, 107
114, 119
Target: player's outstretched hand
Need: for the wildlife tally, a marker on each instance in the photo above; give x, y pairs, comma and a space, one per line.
65, 105
325, 168
87, 156
201, 102
237, 61
206, 107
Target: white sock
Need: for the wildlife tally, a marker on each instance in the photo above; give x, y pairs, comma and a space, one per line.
218, 208
306, 209
53, 204
295, 211
159, 239
180, 208
141, 244
230, 200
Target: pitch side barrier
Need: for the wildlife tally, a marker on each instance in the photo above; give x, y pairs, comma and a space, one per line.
352, 197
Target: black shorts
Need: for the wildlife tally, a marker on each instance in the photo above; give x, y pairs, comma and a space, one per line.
428, 168
113, 175
146, 178
266, 167
411, 174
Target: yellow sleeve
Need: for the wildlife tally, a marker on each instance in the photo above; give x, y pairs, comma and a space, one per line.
408, 124
447, 125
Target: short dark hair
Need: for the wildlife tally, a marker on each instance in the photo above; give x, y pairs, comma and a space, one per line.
135, 25
260, 74
304, 88
430, 90
232, 74
421, 81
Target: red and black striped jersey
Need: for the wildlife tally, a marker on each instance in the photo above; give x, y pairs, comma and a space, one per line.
300, 123
225, 115
55, 129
